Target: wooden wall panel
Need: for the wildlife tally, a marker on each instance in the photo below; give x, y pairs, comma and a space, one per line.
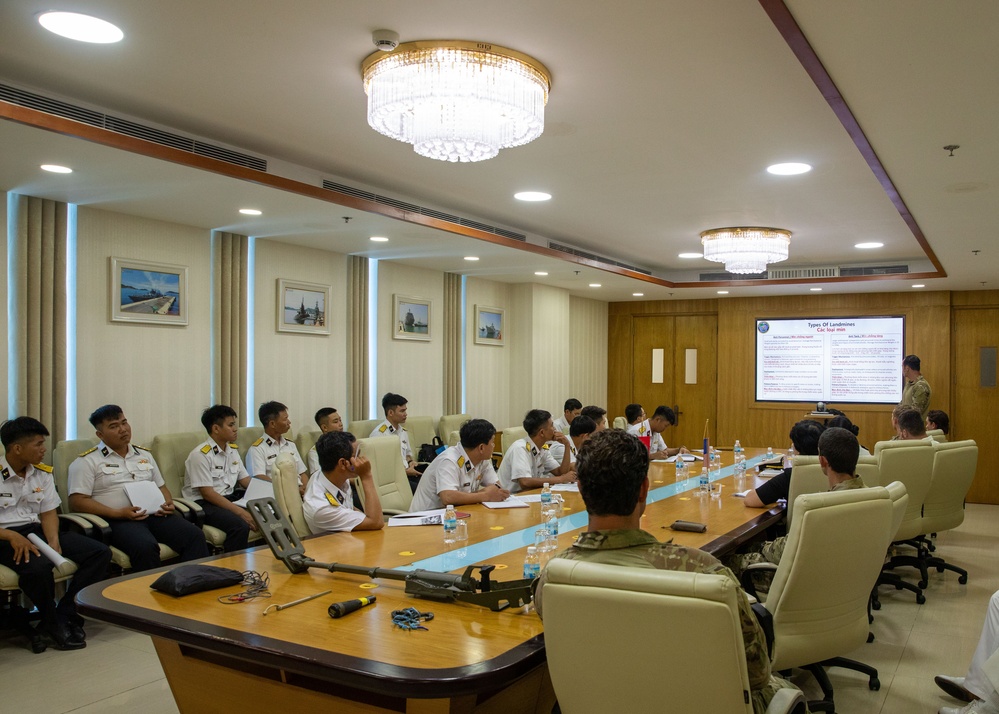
976, 407
619, 363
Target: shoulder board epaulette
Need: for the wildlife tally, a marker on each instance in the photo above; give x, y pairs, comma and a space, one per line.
91, 450
258, 442
140, 446
546, 446
233, 444
206, 448
44, 467
382, 428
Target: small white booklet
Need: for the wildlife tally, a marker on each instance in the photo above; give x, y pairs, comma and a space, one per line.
684, 457
434, 517
145, 495
512, 502
770, 473
258, 488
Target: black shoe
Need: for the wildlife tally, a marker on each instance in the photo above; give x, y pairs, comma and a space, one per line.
62, 636
77, 632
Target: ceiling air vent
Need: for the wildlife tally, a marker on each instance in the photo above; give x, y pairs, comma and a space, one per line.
874, 270
57, 107
422, 210
593, 256
807, 273
724, 277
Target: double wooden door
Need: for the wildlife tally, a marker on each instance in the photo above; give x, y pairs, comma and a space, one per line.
976, 408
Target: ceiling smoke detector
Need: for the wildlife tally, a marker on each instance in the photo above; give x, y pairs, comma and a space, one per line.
385, 40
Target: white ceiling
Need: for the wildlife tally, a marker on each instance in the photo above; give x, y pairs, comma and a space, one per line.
661, 120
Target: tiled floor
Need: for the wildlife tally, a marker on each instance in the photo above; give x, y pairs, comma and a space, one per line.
119, 672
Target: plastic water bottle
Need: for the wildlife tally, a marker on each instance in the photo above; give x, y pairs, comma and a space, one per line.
450, 524
532, 565
552, 525
679, 469
737, 450
546, 500
789, 459
740, 466
704, 483
770, 452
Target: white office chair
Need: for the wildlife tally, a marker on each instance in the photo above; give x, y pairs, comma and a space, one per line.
389, 473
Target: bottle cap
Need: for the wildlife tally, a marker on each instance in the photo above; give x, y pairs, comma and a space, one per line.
531, 549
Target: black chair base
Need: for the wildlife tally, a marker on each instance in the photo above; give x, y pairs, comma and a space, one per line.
896, 582
941, 565
818, 670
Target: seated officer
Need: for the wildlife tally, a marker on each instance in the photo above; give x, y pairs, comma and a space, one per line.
805, 438
396, 413
937, 419
261, 454
613, 469
597, 414
328, 503
911, 426
662, 419
582, 428
327, 420
28, 503
528, 463
462, 474
215, 477
97, 481
570, 410
638, 425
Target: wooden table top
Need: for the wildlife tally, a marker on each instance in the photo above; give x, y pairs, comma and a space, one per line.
465, 649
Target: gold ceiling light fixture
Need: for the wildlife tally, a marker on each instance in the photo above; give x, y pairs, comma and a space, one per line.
454, 100
746, 250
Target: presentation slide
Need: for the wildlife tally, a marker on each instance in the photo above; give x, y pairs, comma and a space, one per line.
836, 360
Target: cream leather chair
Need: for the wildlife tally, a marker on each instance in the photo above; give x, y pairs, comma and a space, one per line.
512, 434
910, 462
636, 618
454, 438
867, 469
304, 443
899, 505
820, 591
620, 423
284, 475
171, 452
937, 435
806, 477
389, 474
245, 436
449, 423
421, 430
361, 428
954, 465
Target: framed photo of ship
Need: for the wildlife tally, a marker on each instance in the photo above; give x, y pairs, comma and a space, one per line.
411, 318
141, 291
302, 307
489, 327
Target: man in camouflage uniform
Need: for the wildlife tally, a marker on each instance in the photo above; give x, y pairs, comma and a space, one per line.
917, 390
612, 467
838, 454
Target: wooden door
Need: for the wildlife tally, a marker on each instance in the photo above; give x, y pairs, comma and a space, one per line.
651, 333
976, 408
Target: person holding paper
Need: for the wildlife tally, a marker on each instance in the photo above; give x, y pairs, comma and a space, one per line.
328, 504
28, 503
262, 452
463, 473
528, 463
97, 484
805, 438
327, 420
215, 477
396, 411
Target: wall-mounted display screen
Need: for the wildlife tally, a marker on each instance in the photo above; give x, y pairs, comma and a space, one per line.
853, 360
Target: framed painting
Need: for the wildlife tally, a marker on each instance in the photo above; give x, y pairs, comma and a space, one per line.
410, 318
141, 291
489, 327
302, 307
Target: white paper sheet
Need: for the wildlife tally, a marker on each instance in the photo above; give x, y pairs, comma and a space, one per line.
770, 473
511, 502
571, 487
258, 488
684, 457
47, 550
145, 495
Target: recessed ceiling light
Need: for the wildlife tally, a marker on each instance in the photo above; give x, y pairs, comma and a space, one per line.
56, 169
919, 285
686, 256
540, 272
83, 28
815, 290
723, 292
379, 239
594, 285
532, 196
250, 211
789, 169
638, 294
471, 257
869, 246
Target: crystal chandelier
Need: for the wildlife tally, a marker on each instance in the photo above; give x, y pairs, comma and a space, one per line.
455, 100
746, 250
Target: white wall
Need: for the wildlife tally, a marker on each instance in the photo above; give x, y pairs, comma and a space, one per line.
587, 351
303, 371
3, 306
159, 374
411, 368
487, 381
540, 332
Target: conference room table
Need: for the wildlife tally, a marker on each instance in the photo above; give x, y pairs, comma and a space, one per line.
231, 657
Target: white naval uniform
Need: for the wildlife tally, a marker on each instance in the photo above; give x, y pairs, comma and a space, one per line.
558, 451
260, 456
328, 508
22, 500
562, 425
525, 460
386, 429
208, 465
102, 474
452, 470
312, 459
644, 429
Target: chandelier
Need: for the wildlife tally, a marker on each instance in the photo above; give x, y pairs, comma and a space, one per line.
746, 250
455, 100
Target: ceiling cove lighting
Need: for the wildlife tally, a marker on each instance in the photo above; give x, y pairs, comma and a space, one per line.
638, 294
788, 169
746, 250
56, 169
815, 290
919, 285
471, 258
532, 196
690, 256
541, 273
723, 292
594, 285
83, 28
379, 239
250, 212
455, 100
869, 246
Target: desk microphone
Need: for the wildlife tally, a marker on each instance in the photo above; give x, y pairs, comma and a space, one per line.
339, 609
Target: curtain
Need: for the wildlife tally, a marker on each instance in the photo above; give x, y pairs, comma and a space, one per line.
38, 297
230, 261
452, 343
357, 338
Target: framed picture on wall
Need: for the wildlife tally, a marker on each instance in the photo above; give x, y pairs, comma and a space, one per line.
141, 291
302, 307
410, 318
489, 327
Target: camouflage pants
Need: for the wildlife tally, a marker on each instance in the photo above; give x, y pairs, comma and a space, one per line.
769, 552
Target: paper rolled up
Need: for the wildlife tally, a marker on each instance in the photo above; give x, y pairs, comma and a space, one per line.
47, 550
